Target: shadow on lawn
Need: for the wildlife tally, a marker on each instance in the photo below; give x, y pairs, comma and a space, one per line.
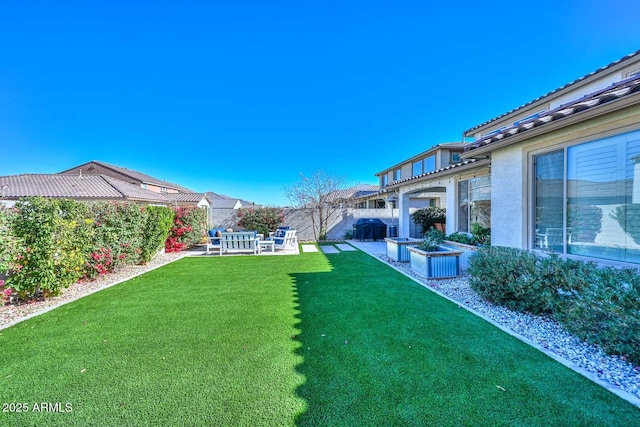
378, 349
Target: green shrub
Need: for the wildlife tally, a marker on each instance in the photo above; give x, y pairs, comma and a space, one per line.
600, 305
9, 244
605, 310
158, 224
432, 240
55, 234
118, 236
263, 220
429, 217
512, 277
480, 235
461, 238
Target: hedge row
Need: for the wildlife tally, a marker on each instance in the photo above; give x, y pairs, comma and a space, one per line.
48, 244
600, 305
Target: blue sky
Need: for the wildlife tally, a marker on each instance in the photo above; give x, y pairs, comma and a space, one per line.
240, 97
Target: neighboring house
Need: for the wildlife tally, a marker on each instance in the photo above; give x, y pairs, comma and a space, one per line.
87, 188
358, 196
219, 201
142, 180
432, 178
94, 181
565, 168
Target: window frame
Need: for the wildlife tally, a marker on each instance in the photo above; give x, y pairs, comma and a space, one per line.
531, 196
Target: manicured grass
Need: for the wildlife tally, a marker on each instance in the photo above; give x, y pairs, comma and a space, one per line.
312, 339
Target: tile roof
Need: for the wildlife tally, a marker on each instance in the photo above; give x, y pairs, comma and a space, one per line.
436, 172
360, 190
185, 197
135, 192
74, 186
620, 90
587, 76
224, 203
139, 176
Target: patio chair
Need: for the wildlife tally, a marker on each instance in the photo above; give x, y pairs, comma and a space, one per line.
287, 241
213, 239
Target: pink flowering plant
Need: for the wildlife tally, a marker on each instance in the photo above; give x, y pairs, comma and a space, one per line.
188, 228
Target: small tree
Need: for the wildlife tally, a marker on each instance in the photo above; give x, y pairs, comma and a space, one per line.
263, 220
321, 195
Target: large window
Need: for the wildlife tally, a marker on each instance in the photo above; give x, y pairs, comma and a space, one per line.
587, 199
396, 175
423, 166
474, 202
430, 164
416, 168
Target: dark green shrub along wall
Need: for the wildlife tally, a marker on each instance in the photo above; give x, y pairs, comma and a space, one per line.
600, 305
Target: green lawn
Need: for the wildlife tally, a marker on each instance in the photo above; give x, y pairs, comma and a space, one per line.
293, 340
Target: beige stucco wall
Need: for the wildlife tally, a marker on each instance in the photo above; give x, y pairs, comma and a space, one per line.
511, 174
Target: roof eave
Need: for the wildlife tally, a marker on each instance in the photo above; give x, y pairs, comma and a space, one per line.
440, 174
555, 125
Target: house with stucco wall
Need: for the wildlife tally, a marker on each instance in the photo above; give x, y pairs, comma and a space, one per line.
564, 169
560, 173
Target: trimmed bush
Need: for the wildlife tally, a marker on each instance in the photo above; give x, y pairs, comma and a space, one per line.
606, 311
55, 234
9, 243
158, 224
118, 236
511, 277
263, 220
600, 305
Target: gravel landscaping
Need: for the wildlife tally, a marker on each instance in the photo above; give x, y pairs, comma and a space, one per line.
540, 330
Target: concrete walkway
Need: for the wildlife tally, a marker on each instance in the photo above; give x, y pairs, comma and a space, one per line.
376, 248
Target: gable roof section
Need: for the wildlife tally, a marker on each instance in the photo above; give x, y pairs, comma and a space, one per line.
565, 87
626, 90
135, 175
75, 187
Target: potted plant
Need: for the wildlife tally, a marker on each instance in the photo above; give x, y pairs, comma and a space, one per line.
432, 260
429, 217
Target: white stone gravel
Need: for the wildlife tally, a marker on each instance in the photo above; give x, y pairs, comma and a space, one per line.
542, 331
12, 314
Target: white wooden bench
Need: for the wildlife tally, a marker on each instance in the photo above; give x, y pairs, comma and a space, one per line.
239, 241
